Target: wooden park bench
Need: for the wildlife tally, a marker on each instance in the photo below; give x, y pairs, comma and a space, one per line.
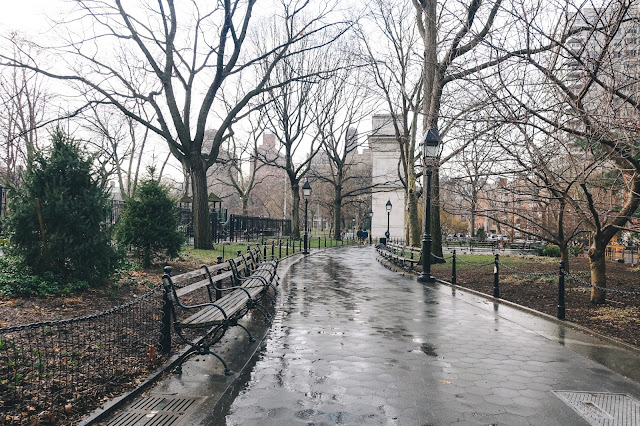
222, 306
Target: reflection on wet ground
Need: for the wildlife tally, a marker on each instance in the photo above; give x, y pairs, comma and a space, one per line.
354, 343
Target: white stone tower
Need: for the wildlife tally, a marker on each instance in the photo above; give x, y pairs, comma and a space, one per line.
385, 155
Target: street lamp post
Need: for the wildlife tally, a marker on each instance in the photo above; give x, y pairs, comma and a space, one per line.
306, 192
370, 225
430, 152
387, 234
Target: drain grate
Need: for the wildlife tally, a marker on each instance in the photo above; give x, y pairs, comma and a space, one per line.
156, 410
603, 409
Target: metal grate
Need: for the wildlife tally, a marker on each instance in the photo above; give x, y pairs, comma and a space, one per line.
156, 410
603, 409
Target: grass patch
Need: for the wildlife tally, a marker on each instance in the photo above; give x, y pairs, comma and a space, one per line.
627, 315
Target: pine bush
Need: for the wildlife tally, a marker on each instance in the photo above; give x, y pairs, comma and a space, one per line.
150, 222
56, 218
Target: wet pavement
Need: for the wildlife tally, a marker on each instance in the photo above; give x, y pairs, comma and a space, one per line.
354, 343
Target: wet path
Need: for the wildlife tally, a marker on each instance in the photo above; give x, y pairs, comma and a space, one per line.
354, 343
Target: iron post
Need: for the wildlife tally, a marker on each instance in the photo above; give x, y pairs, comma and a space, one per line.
561, 307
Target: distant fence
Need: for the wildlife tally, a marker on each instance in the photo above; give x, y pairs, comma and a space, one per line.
623, 254
223, 227
250, 227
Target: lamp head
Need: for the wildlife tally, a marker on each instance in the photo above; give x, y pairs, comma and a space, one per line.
430, 141
389, 206
306, 189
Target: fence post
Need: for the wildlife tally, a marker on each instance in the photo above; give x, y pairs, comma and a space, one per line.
223, 251
239, 253
325, 243
287, 252
279, 249
264, 251
561, 307
272, 248
219, 289
165, 324
248, 248
453, 268
496, 278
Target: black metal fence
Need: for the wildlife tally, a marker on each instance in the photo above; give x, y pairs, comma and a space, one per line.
404, 256
61, 367
247, 228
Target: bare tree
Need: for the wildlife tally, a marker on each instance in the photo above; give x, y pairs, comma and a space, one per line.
462, 44
120, 143
176, 61
235, 176
24, 99
390, 45
344, 102
290, 117
591, 100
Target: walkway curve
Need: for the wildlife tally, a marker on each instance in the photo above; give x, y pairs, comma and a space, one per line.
355, 343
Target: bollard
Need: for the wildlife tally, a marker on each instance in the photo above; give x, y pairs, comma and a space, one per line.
453, 268
496, 278
287, 252
561, 307
239, 253
279, 249
272, 250
248, 248
223, 252
325, 243
264, 251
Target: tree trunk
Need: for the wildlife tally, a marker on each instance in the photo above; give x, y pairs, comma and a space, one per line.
412, 213
337, 209
295, 210
564, 253
201, 222
245, 202
436, 230
598, 272
146, 257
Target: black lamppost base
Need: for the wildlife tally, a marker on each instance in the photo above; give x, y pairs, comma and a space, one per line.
426, 278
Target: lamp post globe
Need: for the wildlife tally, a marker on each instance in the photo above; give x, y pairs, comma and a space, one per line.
430, 144
306, 193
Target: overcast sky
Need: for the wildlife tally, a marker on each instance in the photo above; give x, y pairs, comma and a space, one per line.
27, 15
